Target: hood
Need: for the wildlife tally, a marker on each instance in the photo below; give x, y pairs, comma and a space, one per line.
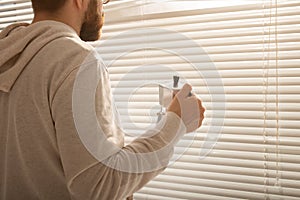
19, 43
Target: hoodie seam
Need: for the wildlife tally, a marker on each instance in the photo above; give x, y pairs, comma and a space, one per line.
64, 79
61, 83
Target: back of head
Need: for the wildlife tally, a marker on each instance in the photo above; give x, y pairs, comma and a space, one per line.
47, 5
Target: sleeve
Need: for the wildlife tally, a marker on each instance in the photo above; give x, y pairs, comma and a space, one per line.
119, 171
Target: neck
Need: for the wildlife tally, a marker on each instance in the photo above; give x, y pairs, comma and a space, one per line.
71, 21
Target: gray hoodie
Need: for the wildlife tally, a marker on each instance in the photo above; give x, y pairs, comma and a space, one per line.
41, 154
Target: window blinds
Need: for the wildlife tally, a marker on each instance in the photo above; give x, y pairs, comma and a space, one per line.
245, 68
255, 50
15, 11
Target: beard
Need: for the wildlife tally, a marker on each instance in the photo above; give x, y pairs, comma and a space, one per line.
93, 21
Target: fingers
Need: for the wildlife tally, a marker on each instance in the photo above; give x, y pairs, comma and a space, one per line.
185, 91
189, 107
202, 110
199, 111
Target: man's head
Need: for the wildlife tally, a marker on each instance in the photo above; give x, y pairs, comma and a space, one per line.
89, 14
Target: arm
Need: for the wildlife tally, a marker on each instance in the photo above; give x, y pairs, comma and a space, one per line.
125, 169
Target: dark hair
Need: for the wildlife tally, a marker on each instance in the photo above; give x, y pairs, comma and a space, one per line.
47, 5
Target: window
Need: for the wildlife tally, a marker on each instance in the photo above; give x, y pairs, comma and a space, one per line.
15, 11
242, 58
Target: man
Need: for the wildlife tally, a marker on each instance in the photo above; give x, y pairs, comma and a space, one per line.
42, 155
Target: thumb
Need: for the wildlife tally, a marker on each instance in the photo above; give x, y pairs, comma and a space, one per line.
185, 91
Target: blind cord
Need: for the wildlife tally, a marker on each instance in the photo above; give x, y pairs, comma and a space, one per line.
277, 183
266, 65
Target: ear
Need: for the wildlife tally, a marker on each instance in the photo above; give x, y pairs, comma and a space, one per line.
81, 4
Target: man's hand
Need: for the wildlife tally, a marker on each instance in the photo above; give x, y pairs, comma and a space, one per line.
188, 108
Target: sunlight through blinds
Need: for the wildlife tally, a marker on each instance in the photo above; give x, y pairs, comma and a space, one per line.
242, 58
252, 121
12, 11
